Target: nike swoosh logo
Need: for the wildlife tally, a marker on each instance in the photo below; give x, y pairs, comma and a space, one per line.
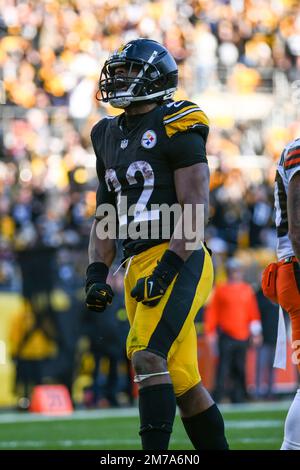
151, 287
176, 105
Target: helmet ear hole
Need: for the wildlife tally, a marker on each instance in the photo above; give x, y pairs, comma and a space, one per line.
157, 85
161, 81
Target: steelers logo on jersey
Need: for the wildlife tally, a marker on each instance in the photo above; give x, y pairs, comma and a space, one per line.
149, 139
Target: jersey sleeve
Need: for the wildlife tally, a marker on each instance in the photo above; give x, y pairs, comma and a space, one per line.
186, 149
186, 125
184, 116
291, 162
103, 195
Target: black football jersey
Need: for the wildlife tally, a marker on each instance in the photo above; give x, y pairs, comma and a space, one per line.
136, 167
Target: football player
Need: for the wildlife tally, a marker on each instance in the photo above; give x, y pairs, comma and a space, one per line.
154, 153
281, 280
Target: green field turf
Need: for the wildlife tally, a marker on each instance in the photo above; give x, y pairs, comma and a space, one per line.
248, 428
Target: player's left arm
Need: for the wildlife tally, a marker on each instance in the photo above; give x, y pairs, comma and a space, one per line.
293, 207
187, 130
192, 189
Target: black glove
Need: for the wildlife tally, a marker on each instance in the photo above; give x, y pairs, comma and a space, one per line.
98, 293
149, 290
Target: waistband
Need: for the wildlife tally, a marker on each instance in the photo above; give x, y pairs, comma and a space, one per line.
141, 256
143, 248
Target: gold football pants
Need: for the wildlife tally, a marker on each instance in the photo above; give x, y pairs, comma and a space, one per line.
168, 329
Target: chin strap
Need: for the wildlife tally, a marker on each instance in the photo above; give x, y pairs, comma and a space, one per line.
139, 378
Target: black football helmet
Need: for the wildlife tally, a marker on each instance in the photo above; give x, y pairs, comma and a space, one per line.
152, 74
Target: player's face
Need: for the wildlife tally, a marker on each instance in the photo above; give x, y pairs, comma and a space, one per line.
122, 71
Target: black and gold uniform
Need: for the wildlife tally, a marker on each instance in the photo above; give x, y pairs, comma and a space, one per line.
137, 159
139, 162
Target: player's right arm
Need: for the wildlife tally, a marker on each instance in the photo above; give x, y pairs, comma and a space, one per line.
294, 213
101, 251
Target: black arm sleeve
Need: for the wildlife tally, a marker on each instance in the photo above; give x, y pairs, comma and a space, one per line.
186, 149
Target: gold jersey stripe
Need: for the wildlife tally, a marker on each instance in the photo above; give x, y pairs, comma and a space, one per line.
193, 119
168, 116
181, 115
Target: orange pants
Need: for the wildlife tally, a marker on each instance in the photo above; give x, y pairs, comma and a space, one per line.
288, 295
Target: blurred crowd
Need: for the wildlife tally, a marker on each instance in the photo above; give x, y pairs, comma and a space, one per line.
54, 47
51, 54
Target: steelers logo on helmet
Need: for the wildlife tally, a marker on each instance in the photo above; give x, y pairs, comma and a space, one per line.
149, 139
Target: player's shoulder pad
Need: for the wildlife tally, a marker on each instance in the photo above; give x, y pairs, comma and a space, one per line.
181, 116
291, 155
100, 126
